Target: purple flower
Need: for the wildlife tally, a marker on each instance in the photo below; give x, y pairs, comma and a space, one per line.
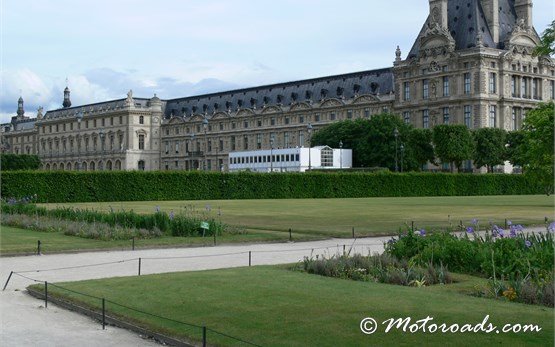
422, 232
519, 227
474, 221
171, 215
528, 243
470, 230
551, 227
509, 223
512, 232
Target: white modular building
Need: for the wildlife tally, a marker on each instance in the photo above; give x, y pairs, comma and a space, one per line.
291, 159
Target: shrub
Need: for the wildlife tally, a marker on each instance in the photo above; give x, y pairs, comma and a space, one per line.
10, 162
66, 186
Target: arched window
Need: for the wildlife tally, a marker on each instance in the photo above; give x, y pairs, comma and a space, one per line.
54, 166
62, 166
118, 165
100, 165
47, 167
109, 165
68, 166
84, 166
92, 166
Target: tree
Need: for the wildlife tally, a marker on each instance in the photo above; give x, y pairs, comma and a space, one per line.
538, 126
489, 147
372, 141
420, 142
547, 43
516, 148
19, 162
453, 144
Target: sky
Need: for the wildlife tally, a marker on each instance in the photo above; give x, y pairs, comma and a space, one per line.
177, 48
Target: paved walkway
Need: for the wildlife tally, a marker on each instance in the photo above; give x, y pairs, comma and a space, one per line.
25, 322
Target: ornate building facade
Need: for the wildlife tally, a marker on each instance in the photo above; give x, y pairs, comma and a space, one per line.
471, 64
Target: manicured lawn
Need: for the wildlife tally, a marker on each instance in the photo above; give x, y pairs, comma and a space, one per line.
369, 216
273, 306
15, 240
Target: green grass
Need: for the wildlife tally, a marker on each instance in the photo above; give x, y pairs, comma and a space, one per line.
272, 306
369, 216
17, 241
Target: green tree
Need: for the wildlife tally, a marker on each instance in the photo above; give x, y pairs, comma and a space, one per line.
489, 147
547, 43
372, 141
516, 148
453, 144
420, 142
10, 162
538, 126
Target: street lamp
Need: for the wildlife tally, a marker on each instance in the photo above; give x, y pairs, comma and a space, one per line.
402, 155
396, 134
205, 126
341, 154
309, 130
271, 155
79, 117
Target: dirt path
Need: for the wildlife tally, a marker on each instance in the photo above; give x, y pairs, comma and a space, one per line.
25, 322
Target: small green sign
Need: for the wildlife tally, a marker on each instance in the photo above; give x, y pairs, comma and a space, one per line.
204, 225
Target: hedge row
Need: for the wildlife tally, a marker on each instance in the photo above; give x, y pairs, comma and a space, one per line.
186, 185
10, 162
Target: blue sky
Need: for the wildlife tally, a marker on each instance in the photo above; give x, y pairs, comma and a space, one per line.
183, 47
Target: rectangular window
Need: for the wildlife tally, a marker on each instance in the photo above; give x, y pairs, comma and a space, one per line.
287, 120
426, 119
245, 142
141, 142
232, 141
120, 120
332, 116
273, 121
445, 86
301, 119
467, 83
259, 123
317, 117
366, 113
468, 116
258, 141
221, 145
514, 118
492, 116
535, 88
513, 87
176, 146
406, 88
221, 126
167, 147
103, 122
245, 124
406, 117
209, 146
94, 124
524, 88
349, 114
286, 139
111, 120
425, 89
552, 89
492, 82
446, 115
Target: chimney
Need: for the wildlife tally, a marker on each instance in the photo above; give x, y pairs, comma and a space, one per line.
491, 12
438, 13
523, 9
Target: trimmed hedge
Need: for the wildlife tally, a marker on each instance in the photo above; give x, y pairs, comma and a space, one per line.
66, 186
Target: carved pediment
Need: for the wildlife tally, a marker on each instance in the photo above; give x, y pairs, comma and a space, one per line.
196, 118
331, 103
220, 115
175, 120
365, 99
521, 36
271, 109
300, 106
245, 112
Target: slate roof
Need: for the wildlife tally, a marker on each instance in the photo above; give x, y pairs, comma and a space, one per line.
347, 85
96, 107
466, 19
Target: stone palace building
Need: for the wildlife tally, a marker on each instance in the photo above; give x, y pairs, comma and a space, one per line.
471, 64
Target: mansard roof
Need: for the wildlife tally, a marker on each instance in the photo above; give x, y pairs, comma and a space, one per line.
467, 23
95, 107
347, 85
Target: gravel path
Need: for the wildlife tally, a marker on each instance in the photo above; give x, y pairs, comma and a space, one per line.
25, 322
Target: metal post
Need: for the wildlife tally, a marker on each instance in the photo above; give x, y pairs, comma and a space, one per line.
139, 266
353, 230
412, 226
10, 276
46, 294
38, 247
133, 243
505, 223
214, 237
103, 314
343, 249
396, 134
290, 236
203, 336
250, 258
